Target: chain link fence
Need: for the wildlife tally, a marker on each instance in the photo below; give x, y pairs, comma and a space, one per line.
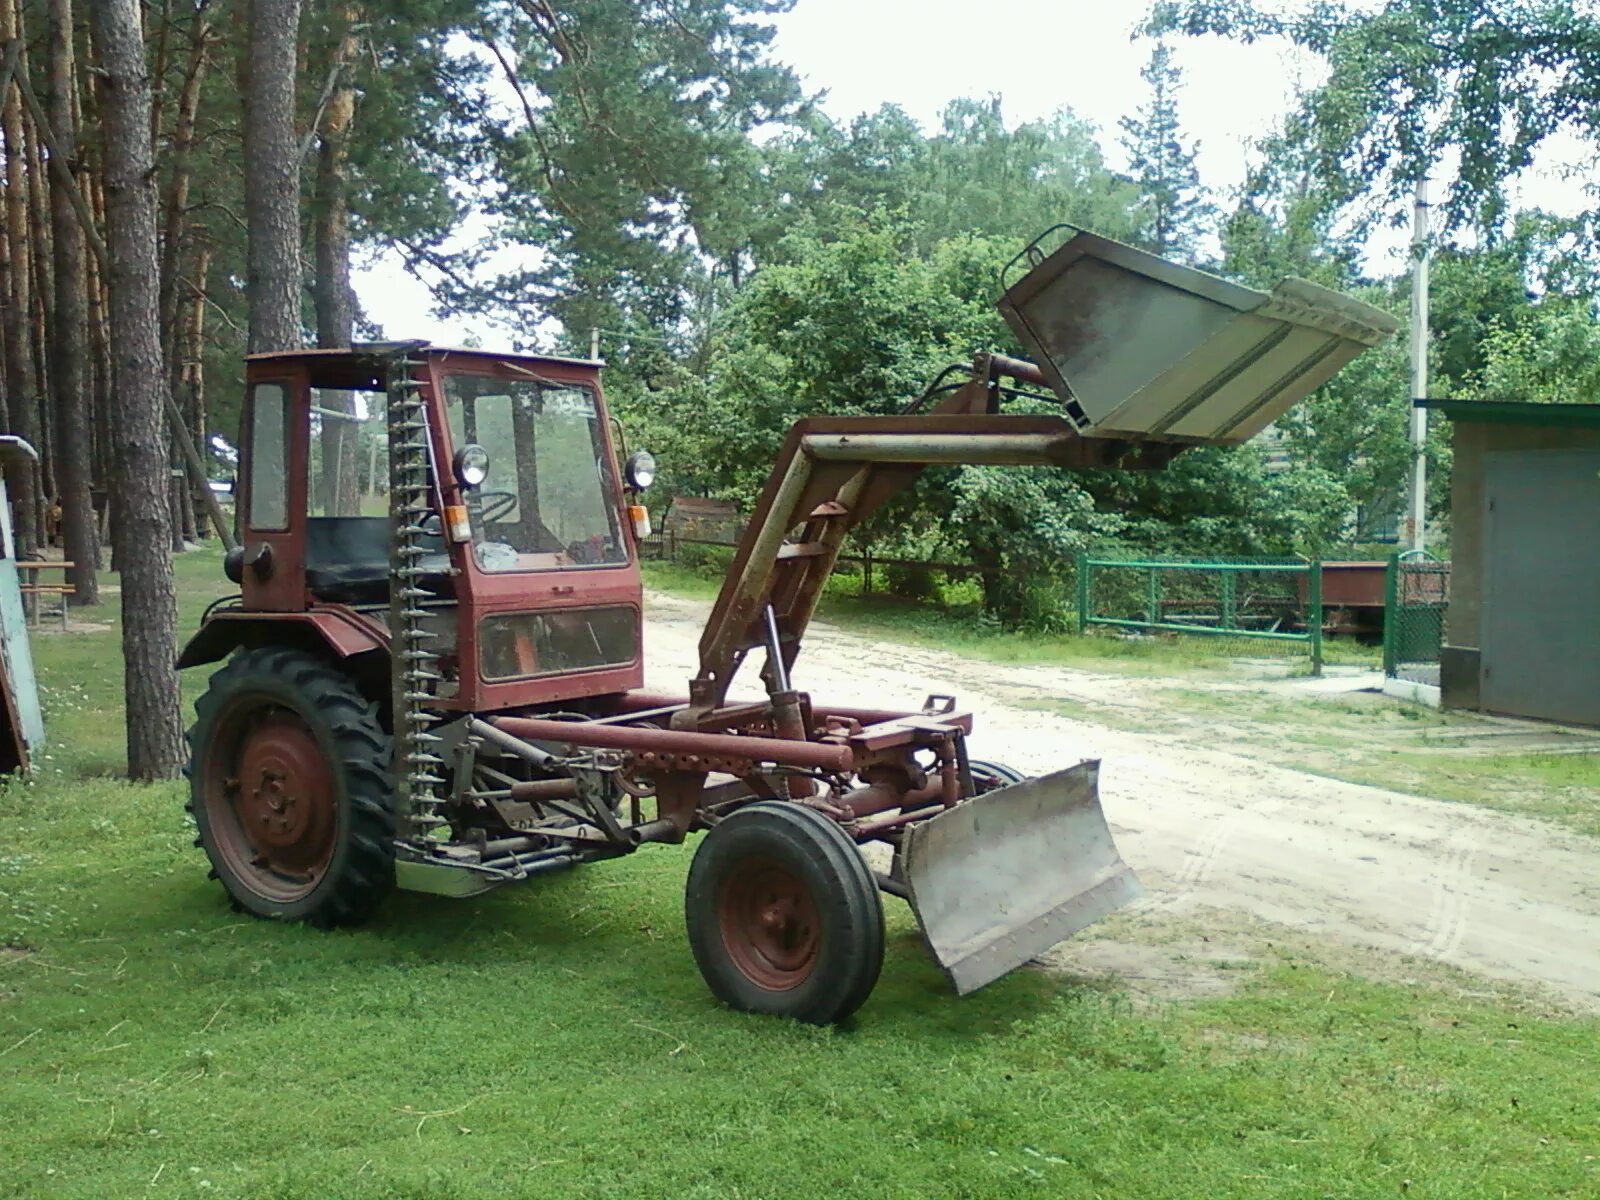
1268, 603
1417, 593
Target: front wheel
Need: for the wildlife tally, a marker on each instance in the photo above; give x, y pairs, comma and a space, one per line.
991, 776
289, 787
783, 915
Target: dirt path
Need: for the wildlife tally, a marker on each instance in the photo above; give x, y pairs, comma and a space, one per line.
1508, 897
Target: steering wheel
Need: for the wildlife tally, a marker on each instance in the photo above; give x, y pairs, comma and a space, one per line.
493, 506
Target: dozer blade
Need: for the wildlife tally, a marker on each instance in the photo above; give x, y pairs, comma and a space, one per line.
1002, 877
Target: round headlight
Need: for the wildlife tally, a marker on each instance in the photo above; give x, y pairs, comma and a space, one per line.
640, 469
472, 466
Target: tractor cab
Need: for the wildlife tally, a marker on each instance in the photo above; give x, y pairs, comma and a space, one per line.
504, 519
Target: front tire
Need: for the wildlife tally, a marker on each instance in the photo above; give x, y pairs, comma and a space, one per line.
783, 915
289, 788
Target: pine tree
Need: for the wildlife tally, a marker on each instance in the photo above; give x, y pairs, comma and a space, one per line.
1161, 161
142, 529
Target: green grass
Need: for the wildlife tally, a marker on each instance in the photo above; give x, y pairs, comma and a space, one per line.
555, 1040
1391, 744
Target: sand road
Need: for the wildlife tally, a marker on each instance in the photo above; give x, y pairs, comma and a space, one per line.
1505, 896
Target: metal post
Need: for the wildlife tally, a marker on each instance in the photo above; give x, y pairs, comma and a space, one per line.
594, 345
1417, 518
1391, 615
1083, 593
1230, 599
1314, 618
1155, 594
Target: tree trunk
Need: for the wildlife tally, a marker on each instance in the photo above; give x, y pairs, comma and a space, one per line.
80, 536
176, 201
41, 319
100, 360
141, 530
331, 292
174, 212
22, 379
192, 328
272, 176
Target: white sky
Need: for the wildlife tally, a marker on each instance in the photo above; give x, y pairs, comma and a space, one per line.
1038, 55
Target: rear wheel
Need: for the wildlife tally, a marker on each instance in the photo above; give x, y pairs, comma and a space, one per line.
289, 787
784, 917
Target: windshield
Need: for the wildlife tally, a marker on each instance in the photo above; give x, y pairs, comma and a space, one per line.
548, 501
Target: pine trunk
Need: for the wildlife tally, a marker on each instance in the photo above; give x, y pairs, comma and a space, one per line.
176, 201
75, 451
22, 379
100, 362
272, 176
192, 384
139, 435
39, 322
331, 292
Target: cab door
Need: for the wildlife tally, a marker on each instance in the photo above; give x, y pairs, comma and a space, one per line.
272, 499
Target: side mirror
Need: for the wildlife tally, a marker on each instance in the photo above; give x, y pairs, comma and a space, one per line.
640, 470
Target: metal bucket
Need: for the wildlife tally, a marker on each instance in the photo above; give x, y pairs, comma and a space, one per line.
1000, 878
1139, 347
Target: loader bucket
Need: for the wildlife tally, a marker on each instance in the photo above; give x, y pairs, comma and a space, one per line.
1002, 877
1139, 347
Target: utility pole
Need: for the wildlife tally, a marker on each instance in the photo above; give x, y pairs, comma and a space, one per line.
1421, 253
594, 344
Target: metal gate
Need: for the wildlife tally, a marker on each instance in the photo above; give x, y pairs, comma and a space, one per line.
1540, 648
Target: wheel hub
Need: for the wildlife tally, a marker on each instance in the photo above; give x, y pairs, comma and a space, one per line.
276, 803
769, 924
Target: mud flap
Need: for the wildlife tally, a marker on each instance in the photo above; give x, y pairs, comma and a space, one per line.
1002, 877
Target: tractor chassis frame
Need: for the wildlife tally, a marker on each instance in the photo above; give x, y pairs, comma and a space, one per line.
506, 829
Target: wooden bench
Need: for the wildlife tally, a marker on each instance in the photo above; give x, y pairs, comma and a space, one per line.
32, 587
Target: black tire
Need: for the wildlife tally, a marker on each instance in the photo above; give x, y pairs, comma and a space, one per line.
289, 778
990, 776
819, 972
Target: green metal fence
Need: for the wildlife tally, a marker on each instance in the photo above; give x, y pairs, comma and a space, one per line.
1416, 595
1261, 600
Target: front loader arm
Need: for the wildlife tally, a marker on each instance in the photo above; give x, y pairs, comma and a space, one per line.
1145, 356
833, 473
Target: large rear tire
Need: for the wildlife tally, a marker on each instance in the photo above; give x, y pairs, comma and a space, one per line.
289, 788
783, 915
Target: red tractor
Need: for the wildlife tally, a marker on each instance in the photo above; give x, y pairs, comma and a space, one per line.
434, 668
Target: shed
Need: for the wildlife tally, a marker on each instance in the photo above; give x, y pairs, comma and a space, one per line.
1520, 635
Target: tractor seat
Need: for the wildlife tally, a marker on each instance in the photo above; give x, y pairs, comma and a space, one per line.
347, 560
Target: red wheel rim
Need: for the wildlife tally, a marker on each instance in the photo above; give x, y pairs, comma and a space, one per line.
769, 924
271, 800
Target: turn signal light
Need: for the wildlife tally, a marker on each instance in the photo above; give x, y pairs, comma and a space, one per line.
456, 522
640, 516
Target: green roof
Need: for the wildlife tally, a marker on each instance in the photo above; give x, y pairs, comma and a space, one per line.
1509, 412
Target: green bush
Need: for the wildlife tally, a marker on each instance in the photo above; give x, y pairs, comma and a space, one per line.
710, 561
909, 581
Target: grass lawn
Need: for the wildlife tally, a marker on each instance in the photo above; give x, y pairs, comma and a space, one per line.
555, 1040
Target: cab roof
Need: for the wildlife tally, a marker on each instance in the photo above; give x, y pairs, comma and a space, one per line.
362, 364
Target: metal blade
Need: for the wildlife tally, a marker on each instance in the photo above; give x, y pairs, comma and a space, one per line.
1001, 878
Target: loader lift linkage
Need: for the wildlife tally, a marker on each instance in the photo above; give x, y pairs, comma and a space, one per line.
447, 696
